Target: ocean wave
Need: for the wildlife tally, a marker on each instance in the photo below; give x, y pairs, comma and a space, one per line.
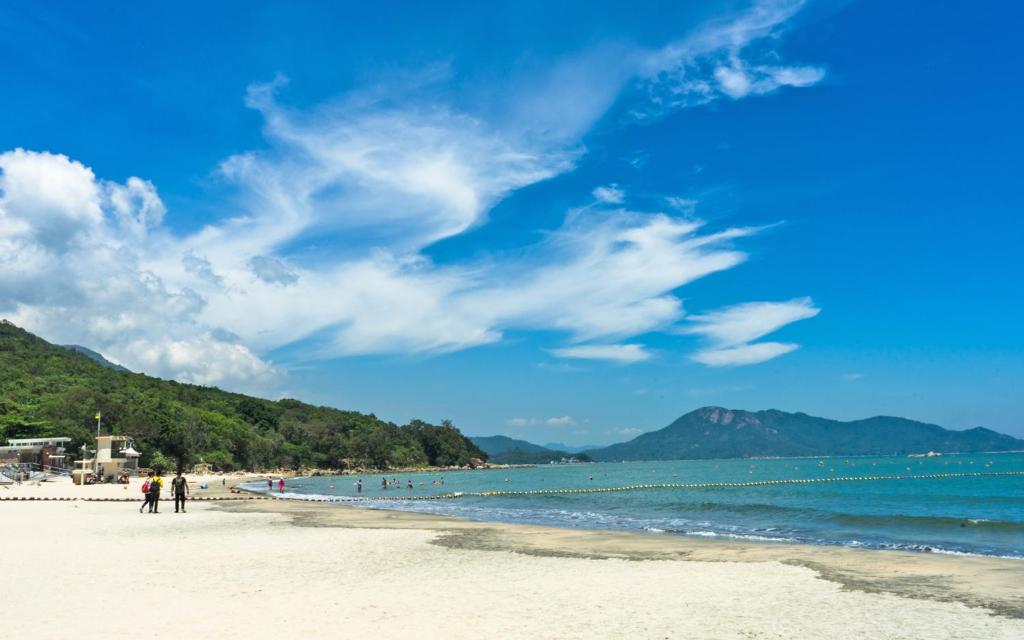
936, 522
727, 518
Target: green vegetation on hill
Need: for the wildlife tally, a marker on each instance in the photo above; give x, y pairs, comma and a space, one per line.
46, 390
505, 450
714, 432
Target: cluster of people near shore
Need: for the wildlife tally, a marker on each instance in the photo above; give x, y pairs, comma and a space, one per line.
395, 483
154, 484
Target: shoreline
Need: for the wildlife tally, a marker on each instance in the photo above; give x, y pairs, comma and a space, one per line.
989, 582
364, 503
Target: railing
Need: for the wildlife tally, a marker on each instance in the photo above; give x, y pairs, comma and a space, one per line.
34, 470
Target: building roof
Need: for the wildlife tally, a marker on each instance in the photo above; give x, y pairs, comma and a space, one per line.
36, 442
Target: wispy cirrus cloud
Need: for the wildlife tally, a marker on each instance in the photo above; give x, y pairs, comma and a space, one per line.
562, 421
732, 331
732, 57
621, 353
378, 176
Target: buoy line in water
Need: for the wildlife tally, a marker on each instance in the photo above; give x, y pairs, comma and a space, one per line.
674, 485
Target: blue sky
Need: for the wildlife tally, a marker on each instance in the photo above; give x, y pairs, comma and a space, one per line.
561, 221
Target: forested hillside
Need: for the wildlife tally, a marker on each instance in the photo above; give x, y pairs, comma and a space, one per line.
47, 390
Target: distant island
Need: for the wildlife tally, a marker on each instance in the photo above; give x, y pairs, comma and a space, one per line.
716, 432
505, 450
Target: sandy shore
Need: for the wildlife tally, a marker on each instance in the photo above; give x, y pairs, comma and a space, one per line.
262, 569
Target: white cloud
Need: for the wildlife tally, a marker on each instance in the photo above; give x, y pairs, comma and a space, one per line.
377, 176
202, 359
136, 205
47, 200
519, 422
732, 331
746, 322
71, 268
684, 205
730, 58
610, 194
852, 376
623, 353
272, 270
628, 432
403, 177
744, 354
563, 421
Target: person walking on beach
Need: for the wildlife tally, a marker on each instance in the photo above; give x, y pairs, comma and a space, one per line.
270, 485
155, 484
280, 485
147, 498
179, 488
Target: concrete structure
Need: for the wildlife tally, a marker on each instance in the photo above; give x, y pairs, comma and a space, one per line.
115, 457
45, 452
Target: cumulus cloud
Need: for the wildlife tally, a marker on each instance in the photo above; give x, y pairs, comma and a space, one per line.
732, 331
622, 353
72, 251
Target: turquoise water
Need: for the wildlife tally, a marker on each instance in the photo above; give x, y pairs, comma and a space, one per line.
979, 515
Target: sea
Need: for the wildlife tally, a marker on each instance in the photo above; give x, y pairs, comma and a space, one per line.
973, 515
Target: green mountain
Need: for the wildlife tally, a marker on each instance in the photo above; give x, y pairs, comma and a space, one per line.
714, 432
48, 390
95, 357
571, 448
505, 450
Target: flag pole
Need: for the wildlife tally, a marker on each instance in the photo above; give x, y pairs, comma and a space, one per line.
95, 458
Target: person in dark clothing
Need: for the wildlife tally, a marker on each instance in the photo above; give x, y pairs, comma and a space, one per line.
179, 488
155, 483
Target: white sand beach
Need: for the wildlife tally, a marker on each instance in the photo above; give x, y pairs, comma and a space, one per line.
282, 569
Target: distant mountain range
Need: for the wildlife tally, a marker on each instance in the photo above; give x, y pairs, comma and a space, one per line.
560, 446
716, 432
505, 450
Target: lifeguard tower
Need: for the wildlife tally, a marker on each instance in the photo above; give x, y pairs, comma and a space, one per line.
115, 457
